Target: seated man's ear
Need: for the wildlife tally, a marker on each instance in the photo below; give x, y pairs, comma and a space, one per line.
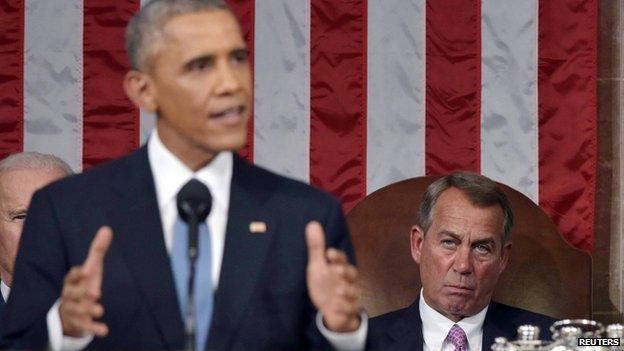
505, 254
417, 237
141, 91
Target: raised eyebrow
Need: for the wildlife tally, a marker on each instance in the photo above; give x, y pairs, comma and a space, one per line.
449, 233
18, 211
239, 51
194, 60
484, 241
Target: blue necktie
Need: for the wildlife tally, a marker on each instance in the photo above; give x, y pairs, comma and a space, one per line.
203, 282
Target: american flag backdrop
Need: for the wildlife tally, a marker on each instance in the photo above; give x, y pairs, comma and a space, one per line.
350, 95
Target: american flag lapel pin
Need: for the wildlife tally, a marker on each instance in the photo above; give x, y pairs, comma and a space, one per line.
257, 227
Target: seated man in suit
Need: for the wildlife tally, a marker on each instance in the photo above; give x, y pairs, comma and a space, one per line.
21, 175
262, 271
462, 246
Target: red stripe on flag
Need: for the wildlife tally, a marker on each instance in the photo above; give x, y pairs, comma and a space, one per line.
568, 115
11, 77
338, 98
245, 11
110, 120
453, 92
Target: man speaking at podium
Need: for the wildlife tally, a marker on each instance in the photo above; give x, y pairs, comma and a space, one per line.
104, 260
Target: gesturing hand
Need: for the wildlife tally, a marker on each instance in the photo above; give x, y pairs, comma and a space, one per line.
82, 290
332, 283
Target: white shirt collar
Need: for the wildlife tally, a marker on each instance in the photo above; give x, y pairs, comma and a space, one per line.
170, 174
436, 326
5, 291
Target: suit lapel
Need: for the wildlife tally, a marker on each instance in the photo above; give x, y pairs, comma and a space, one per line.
138, 234
2, 303
406, 334
493, 326
244, 253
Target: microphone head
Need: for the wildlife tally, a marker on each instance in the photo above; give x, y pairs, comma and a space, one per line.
194, 201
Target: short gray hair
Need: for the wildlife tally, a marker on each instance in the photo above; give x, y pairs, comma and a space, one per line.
145, 28
480, 190
33, 160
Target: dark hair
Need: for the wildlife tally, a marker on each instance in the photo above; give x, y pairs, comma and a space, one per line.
144, 31
481, 191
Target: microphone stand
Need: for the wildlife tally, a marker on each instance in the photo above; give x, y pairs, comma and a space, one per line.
194, 203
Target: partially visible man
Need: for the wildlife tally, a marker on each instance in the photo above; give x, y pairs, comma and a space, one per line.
20, 176
462, 246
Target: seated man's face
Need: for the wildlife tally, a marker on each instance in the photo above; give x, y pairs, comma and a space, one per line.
461, 256
16, 189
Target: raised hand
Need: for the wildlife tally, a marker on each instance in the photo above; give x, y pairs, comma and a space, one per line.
332, 283
82, 290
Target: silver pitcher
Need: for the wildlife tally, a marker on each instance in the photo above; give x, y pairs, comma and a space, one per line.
565, 337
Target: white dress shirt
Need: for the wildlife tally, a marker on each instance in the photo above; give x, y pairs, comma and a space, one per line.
5, 291
170, 175
435, 328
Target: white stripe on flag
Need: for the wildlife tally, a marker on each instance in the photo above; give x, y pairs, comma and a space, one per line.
509, 150
396, 91
53, 79
147, 120
282, 87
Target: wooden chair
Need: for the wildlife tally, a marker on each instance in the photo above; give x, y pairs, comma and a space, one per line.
545, 273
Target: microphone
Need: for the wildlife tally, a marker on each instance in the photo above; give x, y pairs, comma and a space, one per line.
194, 203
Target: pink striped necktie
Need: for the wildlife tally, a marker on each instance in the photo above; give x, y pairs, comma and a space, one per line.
457, 337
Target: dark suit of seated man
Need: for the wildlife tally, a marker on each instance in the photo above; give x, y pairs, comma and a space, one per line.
462, 247
102, 264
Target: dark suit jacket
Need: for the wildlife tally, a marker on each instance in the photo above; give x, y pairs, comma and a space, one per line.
402, 329
261, 301
2, 304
